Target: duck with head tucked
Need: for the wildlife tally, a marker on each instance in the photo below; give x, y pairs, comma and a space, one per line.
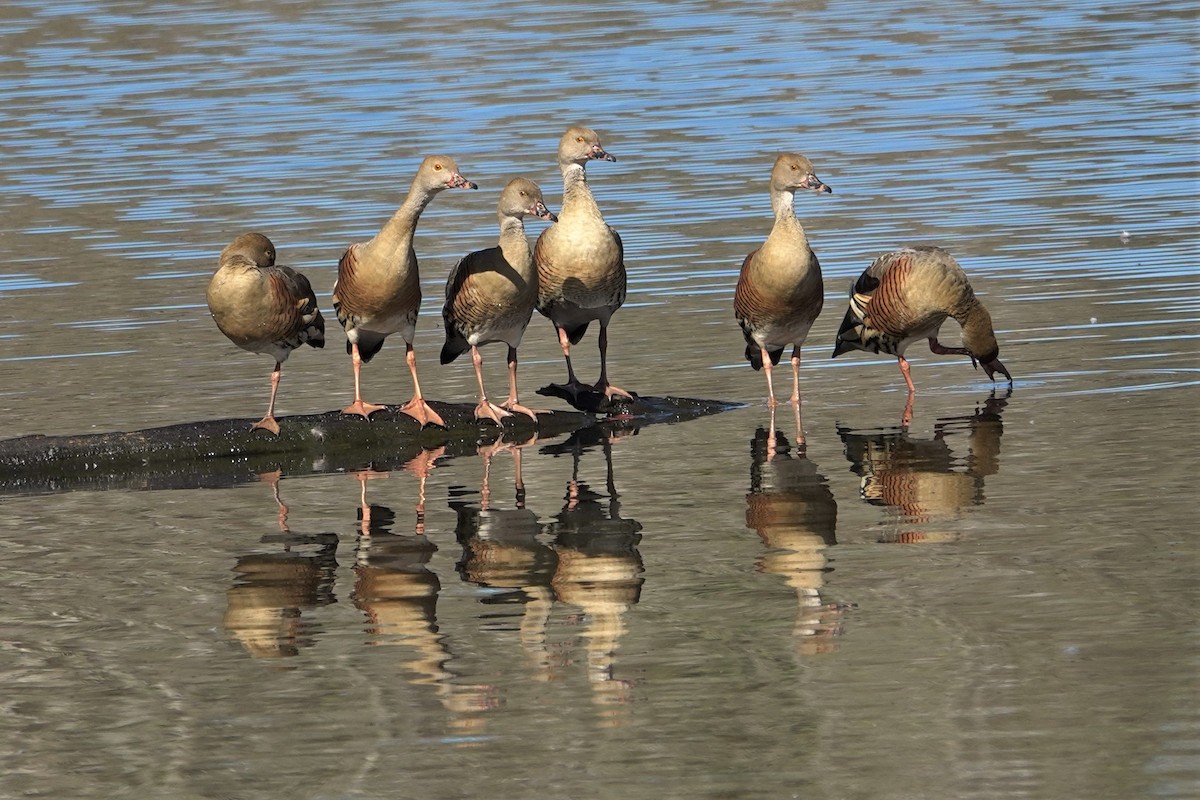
264, 307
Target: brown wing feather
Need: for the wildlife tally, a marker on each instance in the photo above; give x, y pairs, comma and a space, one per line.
749, 308
343, 289
743, 299
356, 304
456, 309
298, 320
541, 259
887, 309
869, 320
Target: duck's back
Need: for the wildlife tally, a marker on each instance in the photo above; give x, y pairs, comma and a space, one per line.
903, 296
912, 289
270, 310
237, 299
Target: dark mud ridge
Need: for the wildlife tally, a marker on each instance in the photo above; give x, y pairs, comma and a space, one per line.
227, 451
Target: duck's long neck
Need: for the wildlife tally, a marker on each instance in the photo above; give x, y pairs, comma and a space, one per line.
515, 246
977, 333
577, 195
397, 232
786, 223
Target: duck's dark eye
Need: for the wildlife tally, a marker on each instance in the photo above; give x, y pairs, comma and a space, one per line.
579, 139
437, 166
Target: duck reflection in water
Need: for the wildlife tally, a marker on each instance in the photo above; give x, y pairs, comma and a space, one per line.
398, 592
272, 479
271, 591
794, 512
590, 562
599, 568
501, 551
922, 483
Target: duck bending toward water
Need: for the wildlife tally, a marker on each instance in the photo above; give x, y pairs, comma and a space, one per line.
264, 307
904, 297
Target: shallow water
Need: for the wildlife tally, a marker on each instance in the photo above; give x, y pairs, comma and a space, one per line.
998, 602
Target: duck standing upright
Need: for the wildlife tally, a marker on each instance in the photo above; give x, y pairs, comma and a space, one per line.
779, 291
491, 293
378, 288
905, 296
263, 307
580, 261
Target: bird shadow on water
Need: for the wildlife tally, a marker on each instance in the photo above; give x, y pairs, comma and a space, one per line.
922, 482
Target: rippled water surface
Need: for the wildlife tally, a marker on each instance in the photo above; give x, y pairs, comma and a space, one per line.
996, 602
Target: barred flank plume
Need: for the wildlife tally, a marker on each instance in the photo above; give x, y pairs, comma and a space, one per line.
855, 332
310, 324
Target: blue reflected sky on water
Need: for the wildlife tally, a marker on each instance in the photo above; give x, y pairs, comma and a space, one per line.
978, 111
1047, 145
